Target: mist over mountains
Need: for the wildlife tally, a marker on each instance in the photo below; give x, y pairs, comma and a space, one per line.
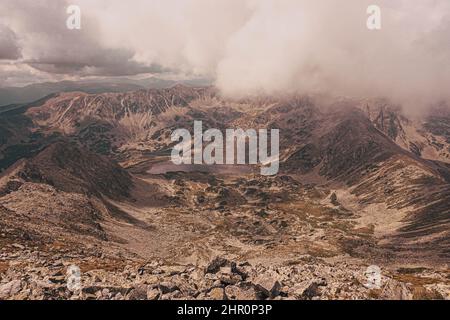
247, 47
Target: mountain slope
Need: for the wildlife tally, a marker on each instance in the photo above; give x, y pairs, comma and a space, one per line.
73, 169
377, 158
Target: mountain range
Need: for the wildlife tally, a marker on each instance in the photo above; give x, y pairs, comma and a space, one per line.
32, 92
360, 181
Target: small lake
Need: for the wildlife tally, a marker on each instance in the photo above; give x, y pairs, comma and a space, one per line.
165, 167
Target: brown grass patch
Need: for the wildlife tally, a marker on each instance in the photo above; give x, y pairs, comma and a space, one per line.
4, 266
375, 294
107, 265
415, 280
368, 230
318, 251
421, 293
411, 270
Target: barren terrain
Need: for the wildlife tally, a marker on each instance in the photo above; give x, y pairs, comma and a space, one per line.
87, 181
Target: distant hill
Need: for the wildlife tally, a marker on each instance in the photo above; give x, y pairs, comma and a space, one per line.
33, 92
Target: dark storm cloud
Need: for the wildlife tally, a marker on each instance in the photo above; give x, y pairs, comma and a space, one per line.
9, 47
49, 46
104, 62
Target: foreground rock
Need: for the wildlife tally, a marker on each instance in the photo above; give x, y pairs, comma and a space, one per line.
35, 275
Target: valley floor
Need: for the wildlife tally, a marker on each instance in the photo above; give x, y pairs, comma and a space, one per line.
194, 235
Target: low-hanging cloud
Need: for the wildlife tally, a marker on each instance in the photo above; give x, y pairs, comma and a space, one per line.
259, 46
272, 46
325, 46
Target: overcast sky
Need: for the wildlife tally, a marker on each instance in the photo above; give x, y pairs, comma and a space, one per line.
247, 46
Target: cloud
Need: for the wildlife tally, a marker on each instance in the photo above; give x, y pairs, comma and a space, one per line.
248, 46
285, 46
9, 47
16, 74
49, 46
102, 62
324, 46
185, 35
